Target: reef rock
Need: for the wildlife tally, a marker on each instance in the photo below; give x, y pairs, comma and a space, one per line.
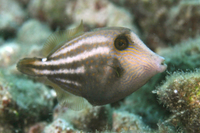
164, 22
50, 11
11, 17
63, 12
33, 32
104, 12
90, 119
126, 122
60, 126
22, 101
181, 95
8, 51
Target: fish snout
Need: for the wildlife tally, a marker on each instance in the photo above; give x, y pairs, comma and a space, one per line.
160, 62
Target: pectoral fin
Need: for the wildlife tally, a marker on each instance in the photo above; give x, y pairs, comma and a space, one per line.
69, 100
116, 66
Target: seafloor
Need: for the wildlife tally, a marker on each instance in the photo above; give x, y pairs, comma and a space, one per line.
168, 103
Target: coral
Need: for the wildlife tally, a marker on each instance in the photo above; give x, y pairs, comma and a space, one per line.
7, 52
60, 126
11, 16
12, 51
89, 119
24, 2
23, 102
33, 32
183, 56
181, 95
144, 104
108, 14
4, 128
51, 11
30, 38
183, 22
58, 15
164, 22
126, 122
37, 128
164, 128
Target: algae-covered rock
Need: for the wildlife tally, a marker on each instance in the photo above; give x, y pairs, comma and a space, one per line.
8, 51
164, 22
183, 56
63, 12
36, 128
60, 126
11, 16
23, 102
144, 104
104, 12
33, 32
166, 128
12, 51
127, 122
4, 128
51, 11
181, 95
89, 119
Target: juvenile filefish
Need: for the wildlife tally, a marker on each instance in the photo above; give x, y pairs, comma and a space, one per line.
101, 66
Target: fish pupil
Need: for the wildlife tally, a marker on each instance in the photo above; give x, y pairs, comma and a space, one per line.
121, 43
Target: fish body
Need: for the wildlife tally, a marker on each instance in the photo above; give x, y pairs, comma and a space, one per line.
102, 66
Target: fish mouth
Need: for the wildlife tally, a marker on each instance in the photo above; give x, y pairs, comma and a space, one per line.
162, 66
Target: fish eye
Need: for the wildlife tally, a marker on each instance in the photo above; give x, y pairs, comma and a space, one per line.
121, 43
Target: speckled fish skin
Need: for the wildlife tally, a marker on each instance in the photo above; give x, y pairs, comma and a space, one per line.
92, 67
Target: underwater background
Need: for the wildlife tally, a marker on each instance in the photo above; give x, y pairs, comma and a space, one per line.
168, 103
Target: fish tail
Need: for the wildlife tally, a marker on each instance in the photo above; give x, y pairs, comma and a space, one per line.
26, 66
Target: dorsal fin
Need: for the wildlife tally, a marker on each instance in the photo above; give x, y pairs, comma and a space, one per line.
57, 39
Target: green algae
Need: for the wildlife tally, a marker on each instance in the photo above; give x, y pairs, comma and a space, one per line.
180, 95
22, 101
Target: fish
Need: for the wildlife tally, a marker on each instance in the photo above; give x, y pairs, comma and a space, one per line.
97, 67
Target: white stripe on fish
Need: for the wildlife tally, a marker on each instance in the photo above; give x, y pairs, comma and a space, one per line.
79, 57
86, 41
68, 81
78, 70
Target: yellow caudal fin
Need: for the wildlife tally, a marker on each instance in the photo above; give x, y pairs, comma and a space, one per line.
26, 66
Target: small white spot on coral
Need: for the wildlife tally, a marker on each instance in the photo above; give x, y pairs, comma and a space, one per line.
9, 49
4, 98
175, 91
